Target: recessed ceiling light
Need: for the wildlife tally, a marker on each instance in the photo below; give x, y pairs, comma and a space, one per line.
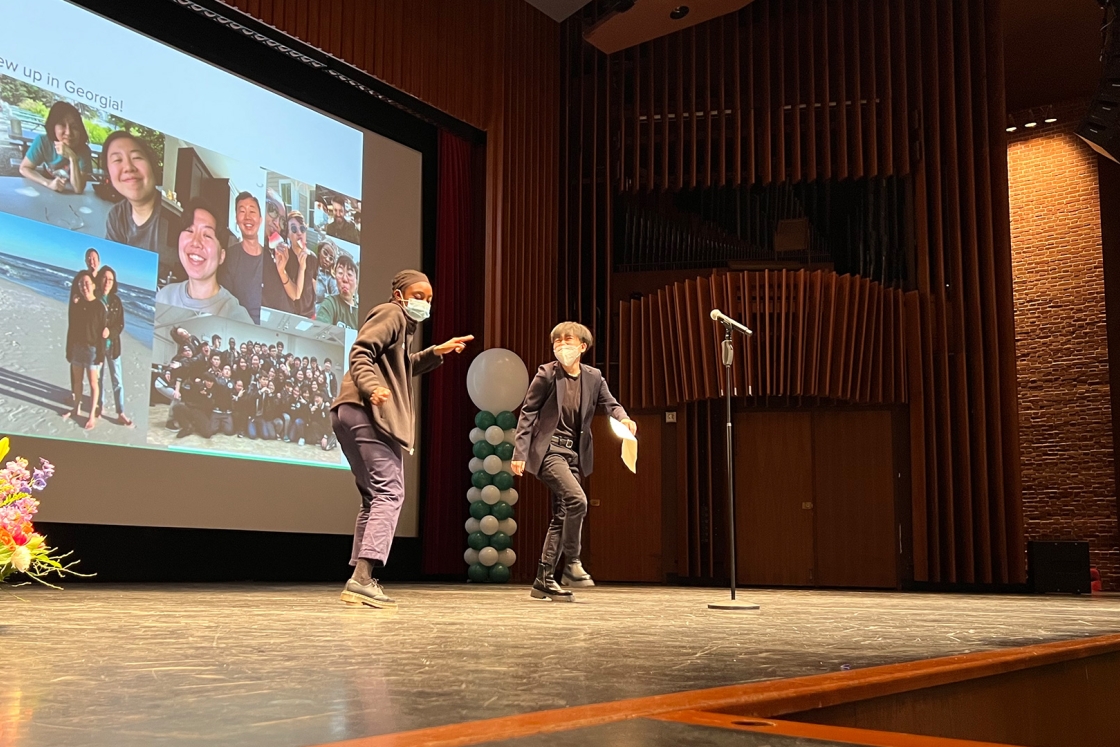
1050, 120
1031, 124
1012, 128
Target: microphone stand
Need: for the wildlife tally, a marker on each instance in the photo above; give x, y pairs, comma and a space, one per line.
727, 350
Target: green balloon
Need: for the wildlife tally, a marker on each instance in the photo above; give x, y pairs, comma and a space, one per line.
482, 449
479, 573
484, 420
477, 540
501, 511
499, 574
481, 479
504, 450
506, 420
503, 481
500, 541
480, 509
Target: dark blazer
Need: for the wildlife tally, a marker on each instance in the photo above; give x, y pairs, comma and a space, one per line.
540, 414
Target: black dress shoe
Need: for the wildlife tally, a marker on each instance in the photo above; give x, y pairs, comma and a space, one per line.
545, 586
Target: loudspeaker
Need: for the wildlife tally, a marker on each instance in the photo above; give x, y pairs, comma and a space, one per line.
1059, 567
1101, 128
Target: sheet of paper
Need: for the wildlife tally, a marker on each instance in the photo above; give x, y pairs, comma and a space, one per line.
629, 445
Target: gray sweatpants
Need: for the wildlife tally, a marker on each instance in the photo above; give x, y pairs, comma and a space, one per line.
378, 466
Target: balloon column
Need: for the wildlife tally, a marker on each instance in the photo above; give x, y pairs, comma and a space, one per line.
496, 381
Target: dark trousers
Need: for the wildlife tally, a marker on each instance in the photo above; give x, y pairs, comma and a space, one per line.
560, 472
378, 467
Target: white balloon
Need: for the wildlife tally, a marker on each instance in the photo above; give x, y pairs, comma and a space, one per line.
510, 496
488, 556
471, 556
497, 380
472, 525
492, 464
474, 494
477, 434
490, 494
509, 526
489, 524
495, 435
475, 464
511, 436
507, 557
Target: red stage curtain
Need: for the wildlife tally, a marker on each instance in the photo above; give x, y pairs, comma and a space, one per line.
450, 414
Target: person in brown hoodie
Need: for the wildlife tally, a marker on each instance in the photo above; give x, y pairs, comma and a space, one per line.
375, 422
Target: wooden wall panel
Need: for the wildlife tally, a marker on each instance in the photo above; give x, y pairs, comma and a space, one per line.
787, 91
786, 311
496, 66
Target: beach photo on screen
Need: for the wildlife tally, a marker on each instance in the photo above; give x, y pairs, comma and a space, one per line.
53, 336
256, 391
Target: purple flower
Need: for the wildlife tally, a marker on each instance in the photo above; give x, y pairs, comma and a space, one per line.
47, 467
38, 483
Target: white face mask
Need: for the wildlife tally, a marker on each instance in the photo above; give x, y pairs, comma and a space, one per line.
567, 354
418, 310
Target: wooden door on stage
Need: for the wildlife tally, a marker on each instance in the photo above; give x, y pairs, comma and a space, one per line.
773, 498
853, 477
815, 498
623, 528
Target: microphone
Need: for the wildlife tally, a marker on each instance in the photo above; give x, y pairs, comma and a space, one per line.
724, 319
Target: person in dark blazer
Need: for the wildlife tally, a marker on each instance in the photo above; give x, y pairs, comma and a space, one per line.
554, 443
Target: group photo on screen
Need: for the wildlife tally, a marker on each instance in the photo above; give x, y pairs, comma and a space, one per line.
229, 387
125, 249
79, 315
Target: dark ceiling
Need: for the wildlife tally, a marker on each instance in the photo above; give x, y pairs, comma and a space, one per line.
1051, 49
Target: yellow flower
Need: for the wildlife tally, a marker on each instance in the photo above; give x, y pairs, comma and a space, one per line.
21, 558
34, 542
4, 447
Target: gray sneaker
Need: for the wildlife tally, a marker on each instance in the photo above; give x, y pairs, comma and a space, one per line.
574, 575
370, 595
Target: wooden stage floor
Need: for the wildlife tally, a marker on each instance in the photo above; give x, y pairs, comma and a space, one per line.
284, 665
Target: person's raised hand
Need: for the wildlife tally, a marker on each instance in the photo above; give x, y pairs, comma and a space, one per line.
454, 345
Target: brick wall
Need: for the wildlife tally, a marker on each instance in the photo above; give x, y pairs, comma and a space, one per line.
1065, 419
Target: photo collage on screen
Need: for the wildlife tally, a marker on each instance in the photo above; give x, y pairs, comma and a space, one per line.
207, 301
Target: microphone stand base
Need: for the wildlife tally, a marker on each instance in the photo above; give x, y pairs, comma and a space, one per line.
733, 606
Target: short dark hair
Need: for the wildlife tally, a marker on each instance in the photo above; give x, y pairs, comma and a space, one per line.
247, 196
220, 229
326, 360
92, 250
345, 260
575, 329
61, 110
144, 148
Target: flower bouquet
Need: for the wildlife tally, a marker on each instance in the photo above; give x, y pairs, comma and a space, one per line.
22, 550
